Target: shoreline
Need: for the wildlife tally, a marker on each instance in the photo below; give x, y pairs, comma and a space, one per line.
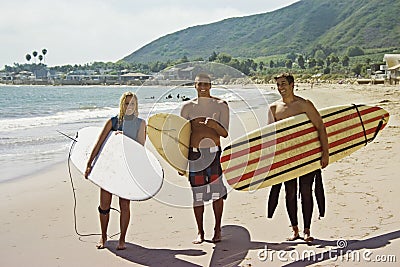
37, 223
35, 172
183, 82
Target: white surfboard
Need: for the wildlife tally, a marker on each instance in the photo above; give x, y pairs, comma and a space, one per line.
123, 167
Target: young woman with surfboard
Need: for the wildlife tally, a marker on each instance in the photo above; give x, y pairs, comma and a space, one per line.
209, 118
290, 105
128, 123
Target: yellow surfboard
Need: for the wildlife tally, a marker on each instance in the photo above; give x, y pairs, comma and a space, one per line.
170, 135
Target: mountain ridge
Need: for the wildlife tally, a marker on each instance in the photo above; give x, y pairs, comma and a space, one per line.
297, 28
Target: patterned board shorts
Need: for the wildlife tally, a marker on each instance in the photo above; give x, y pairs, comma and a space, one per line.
205, 174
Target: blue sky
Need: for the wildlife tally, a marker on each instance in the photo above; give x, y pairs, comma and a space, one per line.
85, 31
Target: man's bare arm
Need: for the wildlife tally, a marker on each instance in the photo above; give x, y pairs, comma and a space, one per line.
316, 120
270, 115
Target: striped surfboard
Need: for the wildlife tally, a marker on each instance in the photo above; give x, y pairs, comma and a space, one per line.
290, 148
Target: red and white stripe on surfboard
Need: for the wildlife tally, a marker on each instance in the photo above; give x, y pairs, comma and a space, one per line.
304, 157
293, 135
294, 158
255, 168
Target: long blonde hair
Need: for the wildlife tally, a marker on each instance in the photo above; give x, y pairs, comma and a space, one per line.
134, 100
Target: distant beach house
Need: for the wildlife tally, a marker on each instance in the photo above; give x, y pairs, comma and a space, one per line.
175, 76
176, 73
134, 78
392, 67
388, 72
85, 77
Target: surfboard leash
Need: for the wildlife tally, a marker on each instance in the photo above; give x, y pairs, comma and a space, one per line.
73, 190
362, 123
165, 131
378, 128
66, 135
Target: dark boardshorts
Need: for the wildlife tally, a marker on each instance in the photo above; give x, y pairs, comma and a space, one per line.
205, 174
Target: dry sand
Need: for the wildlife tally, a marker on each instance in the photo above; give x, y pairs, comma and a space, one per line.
37, 219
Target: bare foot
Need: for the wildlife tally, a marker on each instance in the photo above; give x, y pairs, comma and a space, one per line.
121, 245
101, 244
295, 234
307, 236
293, 237
217, 236
199, 239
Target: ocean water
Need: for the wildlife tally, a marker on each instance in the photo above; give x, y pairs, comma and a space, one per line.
31, 116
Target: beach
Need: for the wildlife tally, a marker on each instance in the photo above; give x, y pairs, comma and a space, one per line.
37, 220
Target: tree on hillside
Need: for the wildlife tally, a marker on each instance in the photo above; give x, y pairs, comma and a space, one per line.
328, 61
320, 54
312, 63
224, 58
291, 56
289, 63
335, 67
271, 64
301, 61
184, 59
157, 66
213, 56
234, 63
320, 62
357, 69
251, 64
261, 66
334, 58
354, 51
244, 68
345, 61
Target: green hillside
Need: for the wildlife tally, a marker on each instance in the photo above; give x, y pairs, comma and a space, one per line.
298, 28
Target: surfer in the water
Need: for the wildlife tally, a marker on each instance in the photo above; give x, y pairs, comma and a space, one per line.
291, 105
209, 117
128, 123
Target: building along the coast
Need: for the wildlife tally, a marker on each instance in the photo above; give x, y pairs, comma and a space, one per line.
393, 67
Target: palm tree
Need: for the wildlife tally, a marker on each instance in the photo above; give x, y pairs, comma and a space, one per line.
28, 57
35, 53
44, 52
